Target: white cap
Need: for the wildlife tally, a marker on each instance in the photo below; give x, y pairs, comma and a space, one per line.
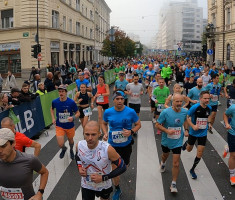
6, 135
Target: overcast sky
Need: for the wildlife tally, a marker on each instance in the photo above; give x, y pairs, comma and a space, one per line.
140, 16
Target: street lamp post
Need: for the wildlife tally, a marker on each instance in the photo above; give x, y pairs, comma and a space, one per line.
37, 38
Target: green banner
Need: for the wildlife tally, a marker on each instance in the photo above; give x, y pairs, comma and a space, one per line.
46, 100
109, 76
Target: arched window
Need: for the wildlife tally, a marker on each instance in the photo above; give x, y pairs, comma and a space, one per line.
228, 51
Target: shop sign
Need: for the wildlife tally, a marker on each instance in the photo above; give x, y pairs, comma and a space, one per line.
10, 46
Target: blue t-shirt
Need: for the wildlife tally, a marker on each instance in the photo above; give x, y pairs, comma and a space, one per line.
172, 119
148, 74
200, 114
117, 121
215, 91
231, 113
187, 72
79, 82
196, 71
64, 109
194, 94
121, 85
139, 72
212, 72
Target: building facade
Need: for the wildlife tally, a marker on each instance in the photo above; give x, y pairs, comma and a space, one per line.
221, 15
180, 24
66, 32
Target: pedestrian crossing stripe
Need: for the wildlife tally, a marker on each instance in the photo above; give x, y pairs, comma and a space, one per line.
148, 182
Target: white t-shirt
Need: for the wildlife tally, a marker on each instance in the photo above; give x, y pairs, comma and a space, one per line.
206, 79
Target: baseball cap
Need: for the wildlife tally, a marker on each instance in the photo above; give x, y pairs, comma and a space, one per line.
192, 75
62, 87
6, 135
117, 94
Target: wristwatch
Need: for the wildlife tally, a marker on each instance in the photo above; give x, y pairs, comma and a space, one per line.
41, 190
132, 132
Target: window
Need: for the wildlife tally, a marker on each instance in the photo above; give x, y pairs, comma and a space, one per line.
86, 33
82, 30
78, 5
91, 34
228, 51
64, 23
91, 15
55, 19
70, 26
82, 8
228, 16
213, 19
77, 28
86, 12
7, 18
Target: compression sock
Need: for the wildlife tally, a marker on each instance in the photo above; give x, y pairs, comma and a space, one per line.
64, 148
117, 187
196, 161
71, 146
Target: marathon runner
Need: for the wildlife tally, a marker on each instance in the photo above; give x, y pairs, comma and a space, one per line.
166, 73
21, 139
196, 71
161, 93
190, 84
230, 112
197, 119
120, 119
229, 92
173, 119
152, 86
135, 90
215, 91
194, 93
16, 171
82, 100
66, 113
96, 171
206, 78
81, 79
121, 84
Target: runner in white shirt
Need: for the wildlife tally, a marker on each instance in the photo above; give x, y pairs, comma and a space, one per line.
206, 78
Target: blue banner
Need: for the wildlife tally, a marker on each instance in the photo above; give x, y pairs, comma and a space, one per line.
31, 117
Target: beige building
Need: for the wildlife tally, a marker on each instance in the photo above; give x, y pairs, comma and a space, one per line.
221, 13
66, 32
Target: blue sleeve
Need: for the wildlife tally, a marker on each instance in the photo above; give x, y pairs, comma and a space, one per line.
229, 111
105, 116
161, 118
190, 94
135, 117
145, 74
192, 110
207, 88
210, 72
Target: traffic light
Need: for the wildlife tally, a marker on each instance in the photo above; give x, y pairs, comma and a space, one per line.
34, 53
113, 48
35, 50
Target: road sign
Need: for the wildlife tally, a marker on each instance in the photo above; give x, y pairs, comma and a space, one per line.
39, 57
179, 49
183, 54
210, 52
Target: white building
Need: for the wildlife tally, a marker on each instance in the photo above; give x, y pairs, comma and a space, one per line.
180, 22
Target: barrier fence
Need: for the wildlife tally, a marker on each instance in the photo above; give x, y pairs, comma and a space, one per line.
35, 116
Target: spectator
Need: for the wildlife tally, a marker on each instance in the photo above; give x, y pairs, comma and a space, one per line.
72, 70
33, 73
26, 95
87, 74
57, 79
4, 105
14, 97
48, 82
41, 89
63, 72
10, 81
36, 81
233, 71
1, 82
68, 80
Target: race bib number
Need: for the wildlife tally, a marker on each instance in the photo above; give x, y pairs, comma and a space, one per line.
100, 99
11, 193
176, 134
202, 123
118, 137
214, 98
63, 117
87, 111
160, 107
93, 184
135, 96
231, 101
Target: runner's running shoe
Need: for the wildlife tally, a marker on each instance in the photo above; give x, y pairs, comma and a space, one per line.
173, 188
226, 150
232, 180
117, 194
162, 168
193, 174
63, 152
71, 154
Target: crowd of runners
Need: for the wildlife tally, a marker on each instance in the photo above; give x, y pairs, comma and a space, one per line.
184, 96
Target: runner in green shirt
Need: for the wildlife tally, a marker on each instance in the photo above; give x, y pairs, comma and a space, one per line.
166, 72
161, 93
117, 70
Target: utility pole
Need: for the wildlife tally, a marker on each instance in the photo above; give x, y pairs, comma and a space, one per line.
37, 36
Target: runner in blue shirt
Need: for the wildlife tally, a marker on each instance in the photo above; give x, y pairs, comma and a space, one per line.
66, 113
230, 113
194, 93
188, 71
120, 119
197, 119
215, 91
82, 80
196, 71
170, 122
